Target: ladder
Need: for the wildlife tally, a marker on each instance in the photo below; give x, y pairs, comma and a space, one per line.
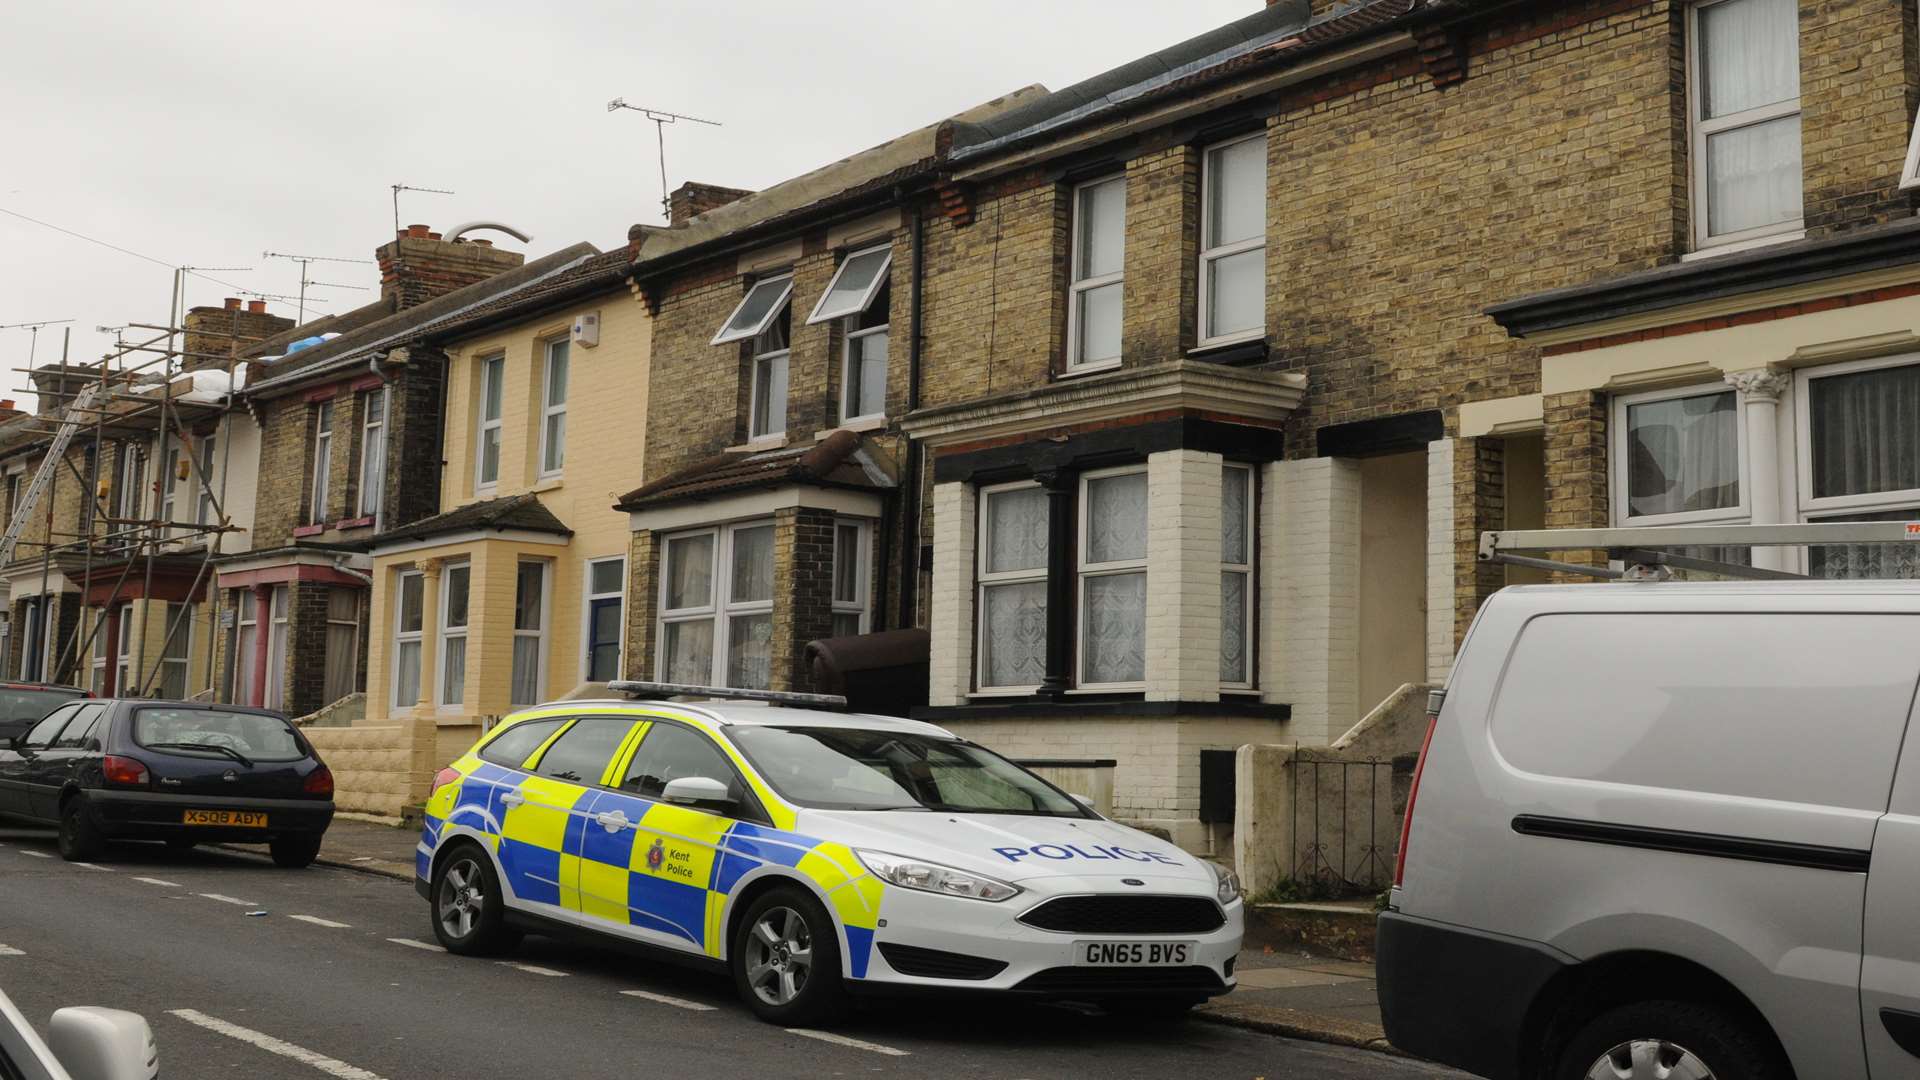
1641, 549
43, 477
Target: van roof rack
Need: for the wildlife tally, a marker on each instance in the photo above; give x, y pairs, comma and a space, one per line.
656, 691
1644, 549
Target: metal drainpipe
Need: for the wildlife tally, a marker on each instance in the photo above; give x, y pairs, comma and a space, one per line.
910, 497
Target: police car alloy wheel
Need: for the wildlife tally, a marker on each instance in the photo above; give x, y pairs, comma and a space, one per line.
468, 916
786, 959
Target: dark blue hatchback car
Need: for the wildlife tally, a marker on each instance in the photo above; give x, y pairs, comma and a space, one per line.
181, 772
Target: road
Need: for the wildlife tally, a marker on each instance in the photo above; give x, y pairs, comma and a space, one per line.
339, 978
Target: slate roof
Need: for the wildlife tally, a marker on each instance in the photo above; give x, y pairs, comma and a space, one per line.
593, 274
835, 462
523, 511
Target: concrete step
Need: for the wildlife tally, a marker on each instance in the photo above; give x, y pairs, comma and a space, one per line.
1341, 928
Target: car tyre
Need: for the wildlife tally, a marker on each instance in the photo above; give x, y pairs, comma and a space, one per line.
80, 838
469, 909
786, 959
1657, 1038
295, 852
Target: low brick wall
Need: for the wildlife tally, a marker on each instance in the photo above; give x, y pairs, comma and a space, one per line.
379, 769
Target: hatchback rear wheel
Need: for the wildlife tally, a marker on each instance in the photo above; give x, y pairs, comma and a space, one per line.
80, 838
295, 851
786, 959
1670, 1040
469, 916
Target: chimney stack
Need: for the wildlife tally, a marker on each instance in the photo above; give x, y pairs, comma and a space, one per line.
214, 331
55, 385
418, 265
691, 199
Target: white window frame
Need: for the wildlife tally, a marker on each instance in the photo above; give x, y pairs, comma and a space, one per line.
542, 634
861, 604
983, 579
1076, 286
753, 396
848, 373
185, 660
1811, 508
373, 432
1619, 473
1700, 130
1085, 571
588, 597
1910, 171
1208, 255
720, 607
273, 693
168, 481
322, 460
203, 483
821, 313
1250, 610
403, 636
493, 367
548, 410
444, 633
783, 282
245, 652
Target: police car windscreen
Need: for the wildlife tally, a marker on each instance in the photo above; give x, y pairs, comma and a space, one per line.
841, 769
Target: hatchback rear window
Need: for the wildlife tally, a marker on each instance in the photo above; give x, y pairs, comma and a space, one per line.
19, 703
217, 731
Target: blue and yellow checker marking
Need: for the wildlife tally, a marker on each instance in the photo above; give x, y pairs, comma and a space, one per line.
668, 870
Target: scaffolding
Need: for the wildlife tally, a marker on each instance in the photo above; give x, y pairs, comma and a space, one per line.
132, 395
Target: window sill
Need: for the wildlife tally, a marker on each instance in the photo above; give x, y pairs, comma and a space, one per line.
857, 424
1246, 350
551, 483
754, 446
354, 523
308, 530
1087, 369
1744, 245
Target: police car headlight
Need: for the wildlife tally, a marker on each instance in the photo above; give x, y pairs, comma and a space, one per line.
1226, 884
934, 878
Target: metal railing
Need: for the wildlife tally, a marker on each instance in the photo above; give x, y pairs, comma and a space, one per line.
1340, 807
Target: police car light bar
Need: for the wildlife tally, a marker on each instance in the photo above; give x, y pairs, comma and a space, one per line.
657, 690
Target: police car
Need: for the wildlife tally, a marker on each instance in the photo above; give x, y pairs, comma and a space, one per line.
814, 855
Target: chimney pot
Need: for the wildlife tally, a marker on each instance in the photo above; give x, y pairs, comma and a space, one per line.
233, 303
418, 232
481, 243
257, 307
433, 236
6, 403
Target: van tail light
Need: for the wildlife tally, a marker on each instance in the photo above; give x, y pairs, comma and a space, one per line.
123, 772
1434, 700
448, 775
319, 783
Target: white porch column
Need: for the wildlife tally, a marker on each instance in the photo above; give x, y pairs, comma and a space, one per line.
1310, 652
950, 607
1442, 543
1183, 576
1760, 389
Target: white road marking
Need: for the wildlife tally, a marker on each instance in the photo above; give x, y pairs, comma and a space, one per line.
330, 1066
8, 950
35, 854
226, 899
318, 921
157, 881
412, 944
91, 866
691, 1006
533, 969
842, 1040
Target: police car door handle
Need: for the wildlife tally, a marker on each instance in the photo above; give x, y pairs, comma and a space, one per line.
611, 820
513, 798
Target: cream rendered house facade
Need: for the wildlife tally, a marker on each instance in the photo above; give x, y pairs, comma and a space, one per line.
515, 593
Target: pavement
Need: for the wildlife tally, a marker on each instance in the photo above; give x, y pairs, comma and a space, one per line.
247, 970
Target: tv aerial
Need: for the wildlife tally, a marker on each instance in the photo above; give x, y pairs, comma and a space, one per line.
661, 118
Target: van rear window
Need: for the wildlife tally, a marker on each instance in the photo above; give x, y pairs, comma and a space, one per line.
1796, 708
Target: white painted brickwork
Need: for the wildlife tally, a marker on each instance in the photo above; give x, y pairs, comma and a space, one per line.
1310, 607
950, 608
1440, 554
1183, 576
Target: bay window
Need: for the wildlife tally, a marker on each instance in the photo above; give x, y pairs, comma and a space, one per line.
1236, 576
1859, 427
1012, 588
454, 581
553, 414
1113, 579
716, 607
275, 696
177, 654
343, 643
486, 457
408, 627
1744, 80
851, 577
529, 632
1681, 456
245, 634
1233, 246
1095, 272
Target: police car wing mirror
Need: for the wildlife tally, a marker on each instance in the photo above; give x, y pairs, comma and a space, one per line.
1083, 800
103, 1044
694, 790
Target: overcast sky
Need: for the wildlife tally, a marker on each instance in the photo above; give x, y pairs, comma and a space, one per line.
205, 133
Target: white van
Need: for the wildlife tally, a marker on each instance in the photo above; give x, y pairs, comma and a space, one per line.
1667, 830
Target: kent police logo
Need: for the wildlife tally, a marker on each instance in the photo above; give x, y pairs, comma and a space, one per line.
656, 854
